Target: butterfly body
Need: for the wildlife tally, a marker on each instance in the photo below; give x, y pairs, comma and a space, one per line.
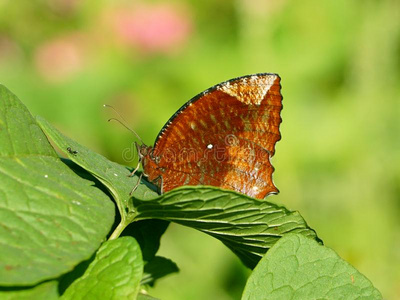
223, 137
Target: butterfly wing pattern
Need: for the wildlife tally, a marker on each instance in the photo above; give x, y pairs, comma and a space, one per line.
222, 137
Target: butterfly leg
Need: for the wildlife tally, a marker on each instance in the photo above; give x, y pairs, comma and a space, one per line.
136, 185
159, 183
134, 171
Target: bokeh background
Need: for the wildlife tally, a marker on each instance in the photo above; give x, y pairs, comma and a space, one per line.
338, 162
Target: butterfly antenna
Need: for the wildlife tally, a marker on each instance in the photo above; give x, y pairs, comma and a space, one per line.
122, 123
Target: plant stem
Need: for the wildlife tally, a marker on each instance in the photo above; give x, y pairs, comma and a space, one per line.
121, 226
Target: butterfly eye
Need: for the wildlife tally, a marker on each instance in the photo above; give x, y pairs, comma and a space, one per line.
142, 150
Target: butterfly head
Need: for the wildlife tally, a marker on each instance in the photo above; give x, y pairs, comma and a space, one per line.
148, 160
143, 150
146, 154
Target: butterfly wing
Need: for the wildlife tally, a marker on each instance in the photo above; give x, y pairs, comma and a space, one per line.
224, 137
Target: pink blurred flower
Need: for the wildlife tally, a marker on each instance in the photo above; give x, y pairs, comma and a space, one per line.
59, 59
152, 28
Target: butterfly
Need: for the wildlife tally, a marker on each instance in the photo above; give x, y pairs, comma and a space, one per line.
223, 137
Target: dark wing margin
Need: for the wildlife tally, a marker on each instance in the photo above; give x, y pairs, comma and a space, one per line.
198, 96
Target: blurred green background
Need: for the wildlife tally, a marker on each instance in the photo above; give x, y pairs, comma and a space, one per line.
338, 162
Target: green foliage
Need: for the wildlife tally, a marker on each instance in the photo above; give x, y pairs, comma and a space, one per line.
156, 268
247, 226
149, 243
114, 176
55, 215
338, 162
45, 230
47, 291
299, 268
115, 273
146, 297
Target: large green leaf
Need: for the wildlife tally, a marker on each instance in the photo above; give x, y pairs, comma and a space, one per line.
50, 218
114, 176
19, 133
115, 273
44, 291
299, 268
249, 227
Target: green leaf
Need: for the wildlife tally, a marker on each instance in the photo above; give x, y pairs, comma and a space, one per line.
50, 218
145, 297
299, 268
45, 291
249, 227
115, 273
156, 268
19, 133
114, 176
67, 279
148, 234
